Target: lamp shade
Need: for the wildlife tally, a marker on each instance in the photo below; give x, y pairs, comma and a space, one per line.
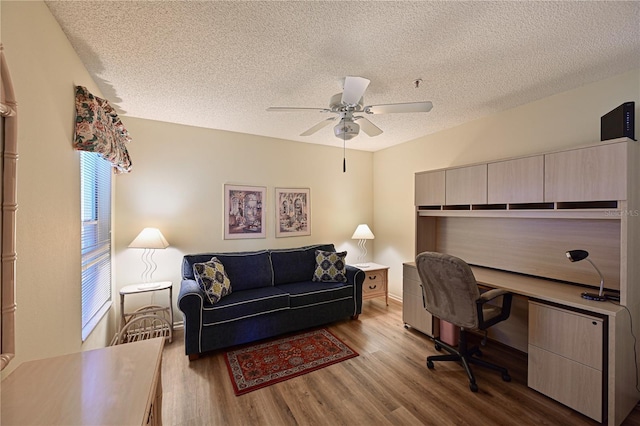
577, 255
363, 233
149, 238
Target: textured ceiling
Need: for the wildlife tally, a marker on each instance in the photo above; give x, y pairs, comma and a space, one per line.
221, 64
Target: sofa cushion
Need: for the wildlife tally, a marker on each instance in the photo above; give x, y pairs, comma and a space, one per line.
330, 266
295, 264
311, 293
246, 270
212, 279
244, 304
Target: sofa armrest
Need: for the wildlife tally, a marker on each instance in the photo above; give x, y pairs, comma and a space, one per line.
190, 301
355, 276
190, 289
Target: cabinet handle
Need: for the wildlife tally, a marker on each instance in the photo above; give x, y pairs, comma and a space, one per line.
373, 288
373, 277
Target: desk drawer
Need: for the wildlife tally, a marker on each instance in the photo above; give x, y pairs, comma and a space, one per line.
570, 334
574, 384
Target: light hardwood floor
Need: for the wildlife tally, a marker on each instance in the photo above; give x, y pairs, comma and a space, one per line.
388, 384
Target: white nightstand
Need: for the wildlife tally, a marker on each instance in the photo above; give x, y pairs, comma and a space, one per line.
375, 281
160, 311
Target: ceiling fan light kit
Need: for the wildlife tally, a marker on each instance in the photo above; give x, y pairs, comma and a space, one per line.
346, 130
350, 102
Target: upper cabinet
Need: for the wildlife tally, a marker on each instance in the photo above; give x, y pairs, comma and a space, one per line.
429, 188
596, 173
516, 181
466, 185
589, 176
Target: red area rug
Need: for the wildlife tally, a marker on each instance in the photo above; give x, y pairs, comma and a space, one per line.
261, 365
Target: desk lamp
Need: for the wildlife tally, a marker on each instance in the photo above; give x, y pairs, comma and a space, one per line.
149, 239
363, 233
578, 255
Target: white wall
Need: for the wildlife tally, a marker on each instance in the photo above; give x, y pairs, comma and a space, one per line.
44, 69
563, 120
177, 186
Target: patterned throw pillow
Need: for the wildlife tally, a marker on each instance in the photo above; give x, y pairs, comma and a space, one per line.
330, 267
212, 279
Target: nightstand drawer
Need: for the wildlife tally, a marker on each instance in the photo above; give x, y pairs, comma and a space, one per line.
373, 287
374, 277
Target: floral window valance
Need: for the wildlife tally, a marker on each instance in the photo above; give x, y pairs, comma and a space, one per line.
99, 129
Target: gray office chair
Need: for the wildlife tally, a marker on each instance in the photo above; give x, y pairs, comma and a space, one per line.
450, 292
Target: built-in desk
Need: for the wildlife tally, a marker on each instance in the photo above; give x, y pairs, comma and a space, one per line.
580, 351
542, 289
572, 357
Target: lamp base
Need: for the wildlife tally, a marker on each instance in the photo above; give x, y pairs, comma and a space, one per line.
362, 265
594, 296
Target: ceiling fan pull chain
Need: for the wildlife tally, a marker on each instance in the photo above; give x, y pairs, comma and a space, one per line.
344, 155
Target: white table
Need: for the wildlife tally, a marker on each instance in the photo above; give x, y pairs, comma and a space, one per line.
151, 309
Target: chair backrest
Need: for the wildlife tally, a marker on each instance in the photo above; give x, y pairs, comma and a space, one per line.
450, 289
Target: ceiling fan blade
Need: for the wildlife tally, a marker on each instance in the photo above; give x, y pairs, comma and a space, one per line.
368, 127
354, 88
286, 109
404, 107
318, 126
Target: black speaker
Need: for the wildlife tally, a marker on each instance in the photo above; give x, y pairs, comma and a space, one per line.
619, 123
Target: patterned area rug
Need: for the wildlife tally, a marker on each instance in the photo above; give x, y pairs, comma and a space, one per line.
261, 365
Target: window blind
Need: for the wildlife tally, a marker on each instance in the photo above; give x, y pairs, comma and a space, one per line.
95, 181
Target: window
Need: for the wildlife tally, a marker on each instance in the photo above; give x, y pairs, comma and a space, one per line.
95, 181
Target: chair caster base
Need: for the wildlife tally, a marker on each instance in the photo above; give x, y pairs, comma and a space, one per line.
473, 387
430, 365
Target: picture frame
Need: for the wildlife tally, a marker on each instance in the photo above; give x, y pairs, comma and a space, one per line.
293, 212
244, 211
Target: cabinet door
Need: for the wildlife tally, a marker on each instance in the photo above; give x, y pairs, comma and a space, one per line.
466, 185
516, 181
413, 311
429, 190
596, 173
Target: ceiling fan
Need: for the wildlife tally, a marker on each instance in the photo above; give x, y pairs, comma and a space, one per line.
348, 104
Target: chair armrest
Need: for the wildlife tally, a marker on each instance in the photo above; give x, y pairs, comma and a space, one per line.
491, 294
505, 309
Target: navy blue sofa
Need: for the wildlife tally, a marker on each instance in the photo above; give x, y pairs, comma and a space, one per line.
272, 293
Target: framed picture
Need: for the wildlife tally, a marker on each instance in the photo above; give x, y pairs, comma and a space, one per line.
244, 212
293, 207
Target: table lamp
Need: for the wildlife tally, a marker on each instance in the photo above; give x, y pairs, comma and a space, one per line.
149, 239
578, 255
363, 233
